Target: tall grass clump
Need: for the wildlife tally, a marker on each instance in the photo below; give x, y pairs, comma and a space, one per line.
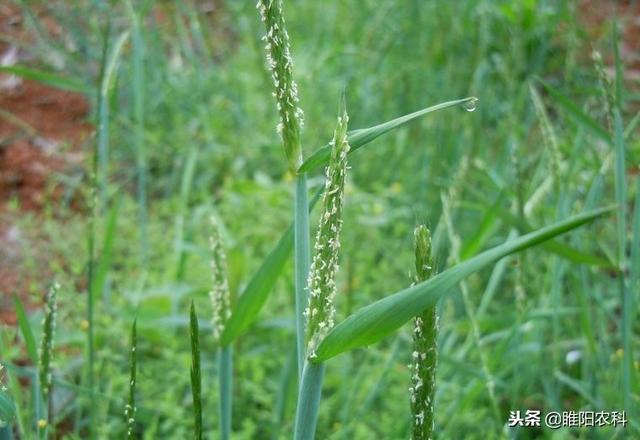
424, 356
320, 312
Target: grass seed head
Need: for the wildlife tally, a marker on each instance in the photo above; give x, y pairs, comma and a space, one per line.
280, 63
48, 334
219, 294
320, 313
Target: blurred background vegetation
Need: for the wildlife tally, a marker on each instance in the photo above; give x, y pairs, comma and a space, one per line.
186, 128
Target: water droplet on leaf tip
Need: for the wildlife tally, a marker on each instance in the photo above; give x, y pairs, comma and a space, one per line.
471, 105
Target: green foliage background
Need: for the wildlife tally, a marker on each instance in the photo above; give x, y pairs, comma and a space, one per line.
211, 148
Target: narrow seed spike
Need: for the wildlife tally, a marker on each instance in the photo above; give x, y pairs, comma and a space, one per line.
278, 55
324, 266
46, 345
219, 294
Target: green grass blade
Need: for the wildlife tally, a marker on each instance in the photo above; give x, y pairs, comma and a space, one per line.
27, 332
46, 78
361, 137
484, 230
107, 80
577, 114
104, 260
634, 278
225, 357
196, 379
130, 407
137, 90
372, 323
249, 304
561, 249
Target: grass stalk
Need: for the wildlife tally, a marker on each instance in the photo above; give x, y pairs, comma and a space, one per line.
620, 175
91, 239
196, 379
225, 371
309, 401
130, 407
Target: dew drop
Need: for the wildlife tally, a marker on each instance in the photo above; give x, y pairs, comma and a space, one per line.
471, 105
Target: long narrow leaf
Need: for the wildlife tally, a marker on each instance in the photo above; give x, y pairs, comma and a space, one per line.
372, 323
104, 261
361, 137
561, 249
27, 332
46, 78
576, 113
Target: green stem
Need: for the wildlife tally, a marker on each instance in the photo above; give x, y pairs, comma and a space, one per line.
309, 401
225, 372
302, 262
196, 378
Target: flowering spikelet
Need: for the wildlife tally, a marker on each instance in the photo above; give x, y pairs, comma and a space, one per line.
3, 387
606, 87
320, 313
424, 356
46, 346
286, 91
219, 293
548, 134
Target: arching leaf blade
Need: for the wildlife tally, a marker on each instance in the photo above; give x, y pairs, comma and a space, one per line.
375, 321
361, 137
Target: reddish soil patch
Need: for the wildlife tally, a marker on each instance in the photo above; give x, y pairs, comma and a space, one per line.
597, 16
31, 153
41, 132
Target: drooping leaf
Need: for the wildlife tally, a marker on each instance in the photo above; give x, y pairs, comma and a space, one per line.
374, 322
561, 249
361, 137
